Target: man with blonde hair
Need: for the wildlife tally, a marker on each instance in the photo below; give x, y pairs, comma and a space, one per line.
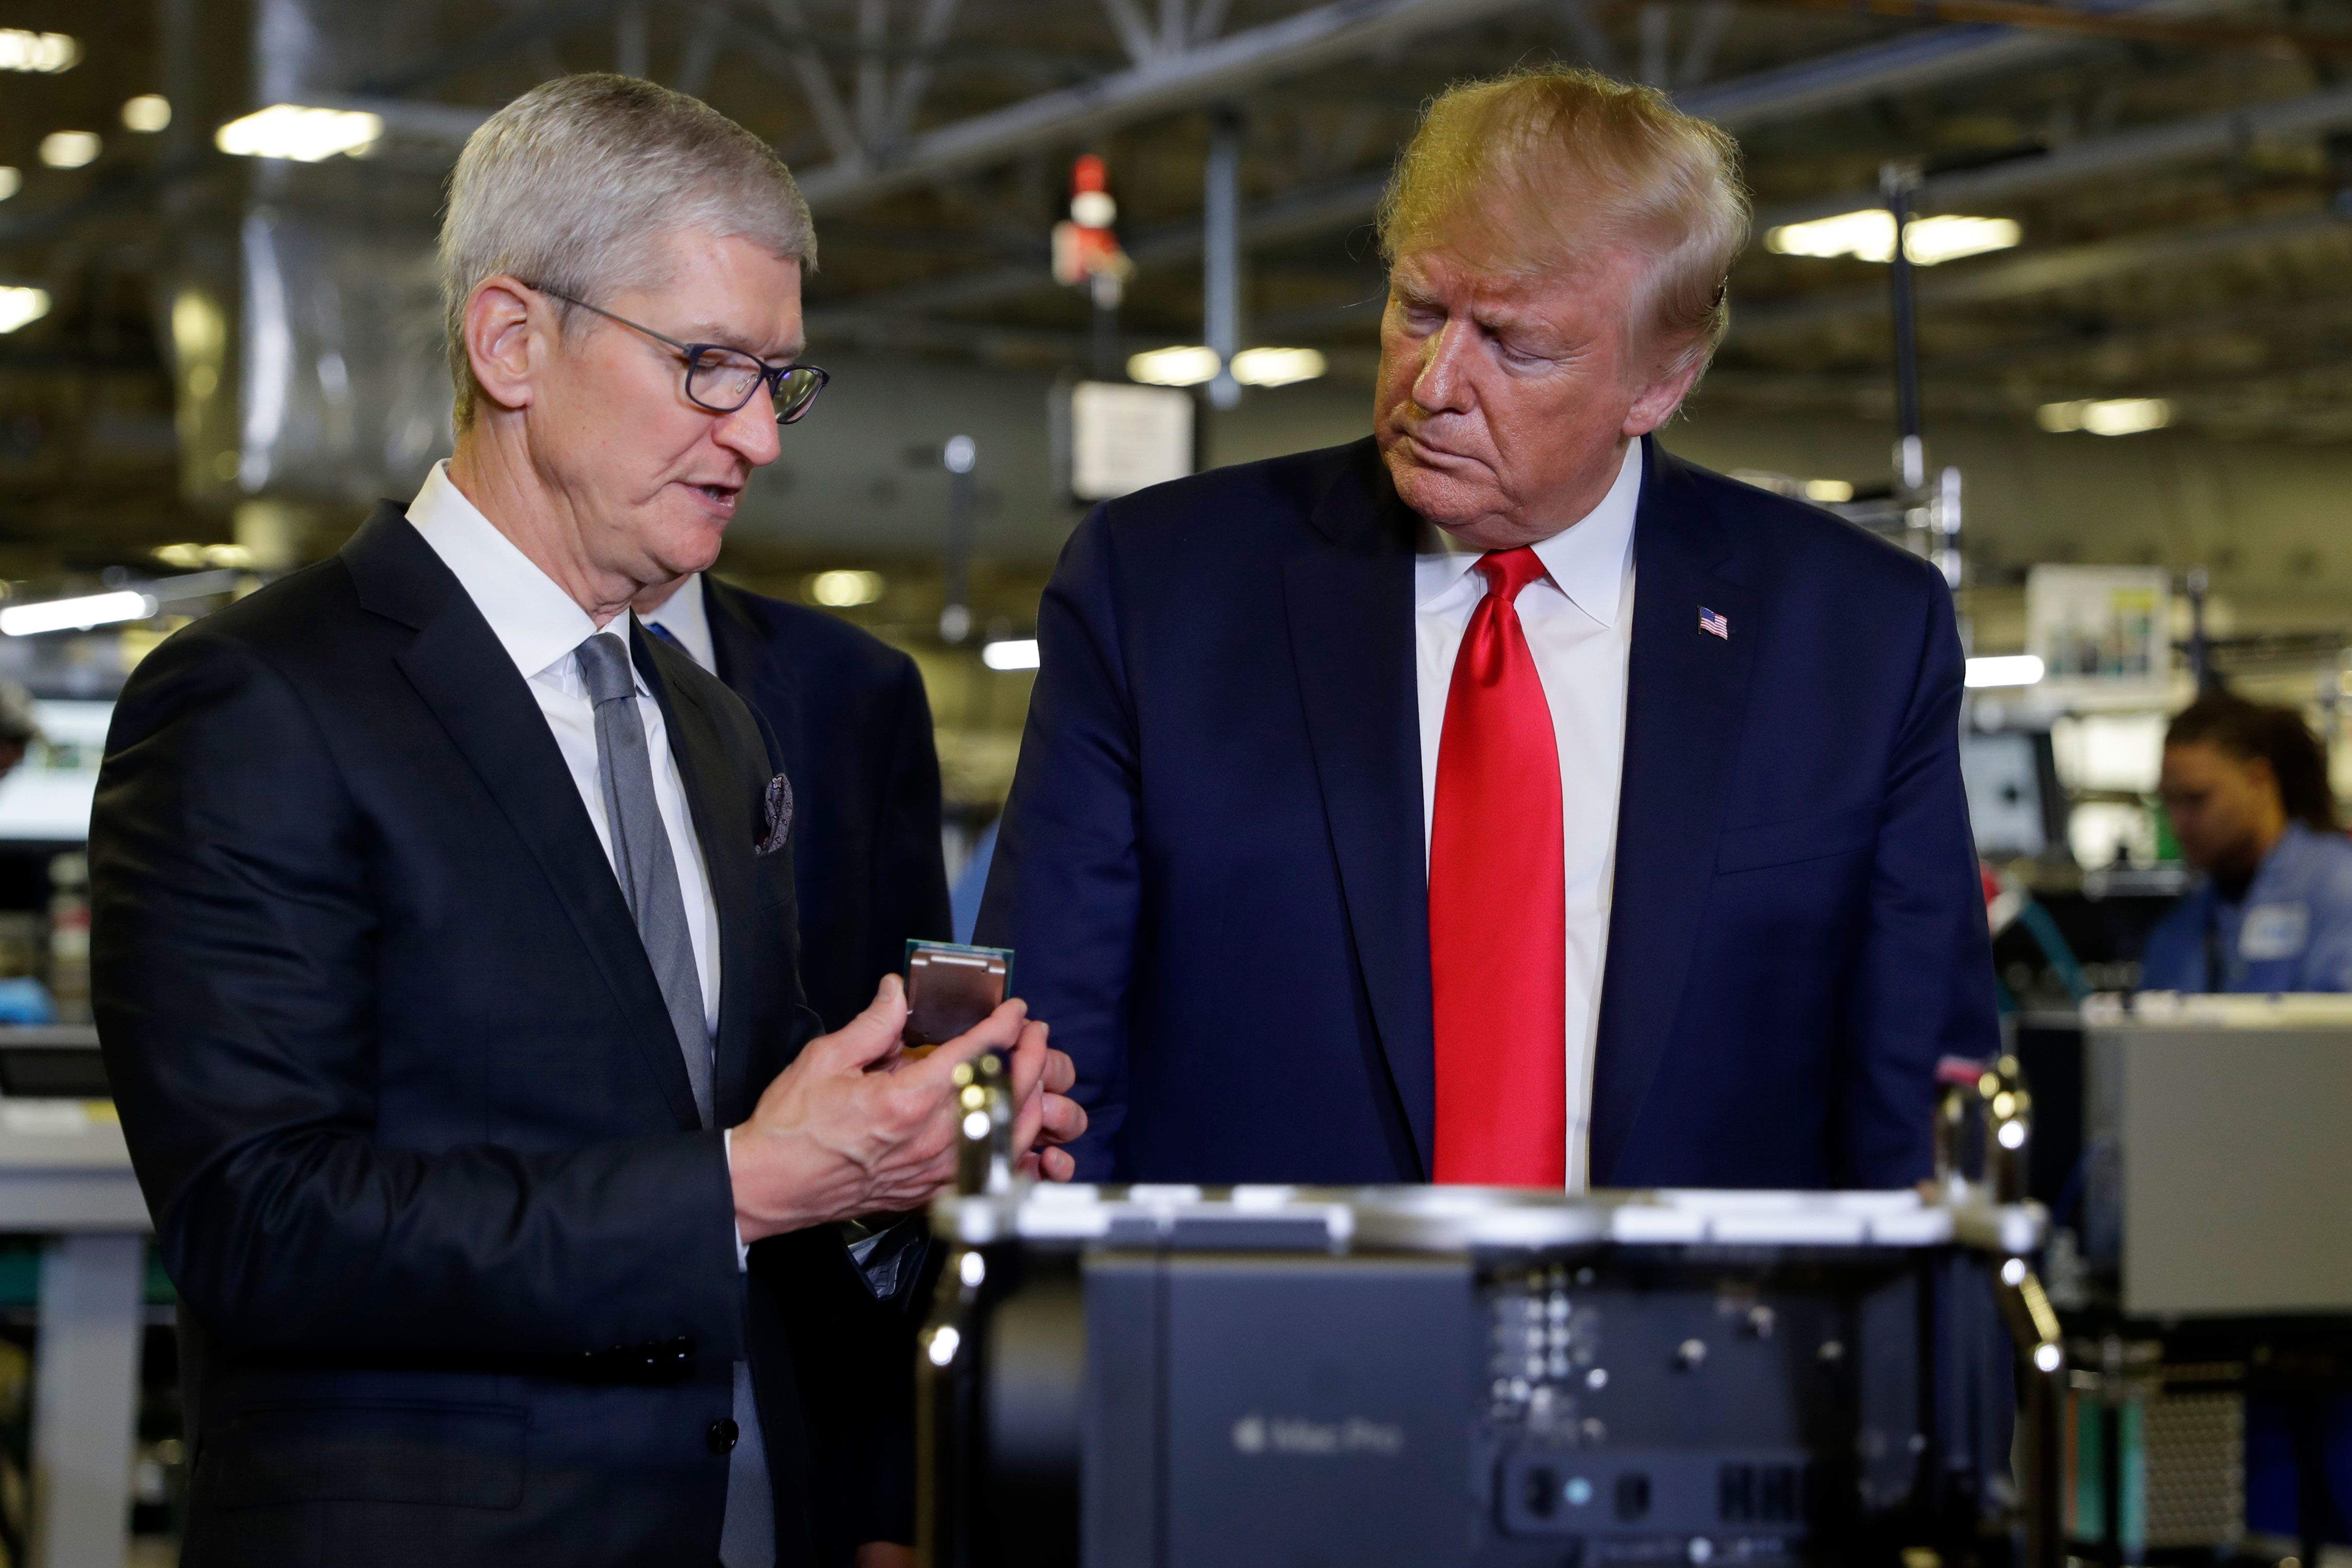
445, 942
1501, 799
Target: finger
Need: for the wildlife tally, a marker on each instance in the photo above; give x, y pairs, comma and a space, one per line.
1028, 1090
1056, 1165
869, 1036
1061, 1073
1028, 1062
1025, 1124
1062, 1119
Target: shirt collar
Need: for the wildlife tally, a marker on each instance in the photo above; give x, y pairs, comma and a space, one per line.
686, 616
535, 621
1586, 560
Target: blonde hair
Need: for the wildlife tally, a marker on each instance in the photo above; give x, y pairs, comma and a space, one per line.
1530, 172
577, 186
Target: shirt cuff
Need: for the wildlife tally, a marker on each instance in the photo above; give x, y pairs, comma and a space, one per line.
742, 1253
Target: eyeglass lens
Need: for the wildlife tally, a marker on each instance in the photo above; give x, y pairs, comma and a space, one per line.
725, 381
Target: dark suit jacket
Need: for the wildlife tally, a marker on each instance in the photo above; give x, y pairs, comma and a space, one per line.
847, 711
1212, 863
848, 714
458, 1259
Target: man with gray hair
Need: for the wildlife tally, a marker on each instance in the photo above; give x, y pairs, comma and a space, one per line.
1499, 798
445, 935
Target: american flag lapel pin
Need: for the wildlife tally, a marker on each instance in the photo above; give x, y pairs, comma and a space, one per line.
1713, 624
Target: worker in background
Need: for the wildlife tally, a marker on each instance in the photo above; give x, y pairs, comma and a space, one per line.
2246, 788
853, 729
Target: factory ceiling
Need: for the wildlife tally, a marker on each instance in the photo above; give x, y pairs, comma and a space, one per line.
2176, 178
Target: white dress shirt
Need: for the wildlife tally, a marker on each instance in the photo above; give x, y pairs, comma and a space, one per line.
1579, 620
687, 617
540, 627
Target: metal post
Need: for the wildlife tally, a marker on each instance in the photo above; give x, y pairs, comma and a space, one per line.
1220, 280
2200, 652
1946, 510
958, 456
85, 1399
1106, 337
176, 28
1896, 183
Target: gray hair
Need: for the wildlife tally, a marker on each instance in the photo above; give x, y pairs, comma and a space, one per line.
575, 187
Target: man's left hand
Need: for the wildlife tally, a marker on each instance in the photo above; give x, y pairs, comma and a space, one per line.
1047, 1117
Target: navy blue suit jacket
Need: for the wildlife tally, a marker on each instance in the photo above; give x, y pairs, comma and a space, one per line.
1213, 868
848, 714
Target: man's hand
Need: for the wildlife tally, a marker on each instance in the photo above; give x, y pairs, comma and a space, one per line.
1046, 1116
857, 1127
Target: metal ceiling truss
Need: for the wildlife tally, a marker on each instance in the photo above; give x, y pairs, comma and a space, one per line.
1319, 209
1165, 81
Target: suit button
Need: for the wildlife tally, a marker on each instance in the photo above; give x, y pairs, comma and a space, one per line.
721, 1436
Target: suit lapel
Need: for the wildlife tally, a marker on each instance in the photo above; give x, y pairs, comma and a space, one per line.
1350, 601
725, 834
748, 665
1686, 698
465, 676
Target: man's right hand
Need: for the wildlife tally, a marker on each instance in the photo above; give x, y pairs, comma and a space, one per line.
831, 1139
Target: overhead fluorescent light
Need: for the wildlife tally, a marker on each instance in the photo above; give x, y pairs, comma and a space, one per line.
1933, 239
20, 304
11, 182
2106, 416
840, 590
1192, 363
45, 53
227, 557
1278, 367
70, 149
75, 614
147, 113
1869, 236
1011, 653
2005, 669
303, 135
1186, 366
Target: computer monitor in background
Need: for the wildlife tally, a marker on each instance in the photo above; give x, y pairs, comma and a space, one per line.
44, 802
2015, 805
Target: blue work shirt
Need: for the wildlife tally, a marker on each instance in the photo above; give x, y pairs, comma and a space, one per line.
2292, 931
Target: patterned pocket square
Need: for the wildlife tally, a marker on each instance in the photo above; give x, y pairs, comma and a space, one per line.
779, 804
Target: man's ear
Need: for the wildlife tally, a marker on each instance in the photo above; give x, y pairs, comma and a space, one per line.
1658, 402
2262, 775
505, 338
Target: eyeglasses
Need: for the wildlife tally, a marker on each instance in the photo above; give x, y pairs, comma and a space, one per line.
723, 380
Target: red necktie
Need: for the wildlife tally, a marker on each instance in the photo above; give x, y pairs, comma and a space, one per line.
1497, 906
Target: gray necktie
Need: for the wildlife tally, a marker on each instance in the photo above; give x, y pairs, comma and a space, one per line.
641, 856
648, 877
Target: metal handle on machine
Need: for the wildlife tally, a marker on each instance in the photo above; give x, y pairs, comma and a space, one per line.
985, 1126
1995, 1098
